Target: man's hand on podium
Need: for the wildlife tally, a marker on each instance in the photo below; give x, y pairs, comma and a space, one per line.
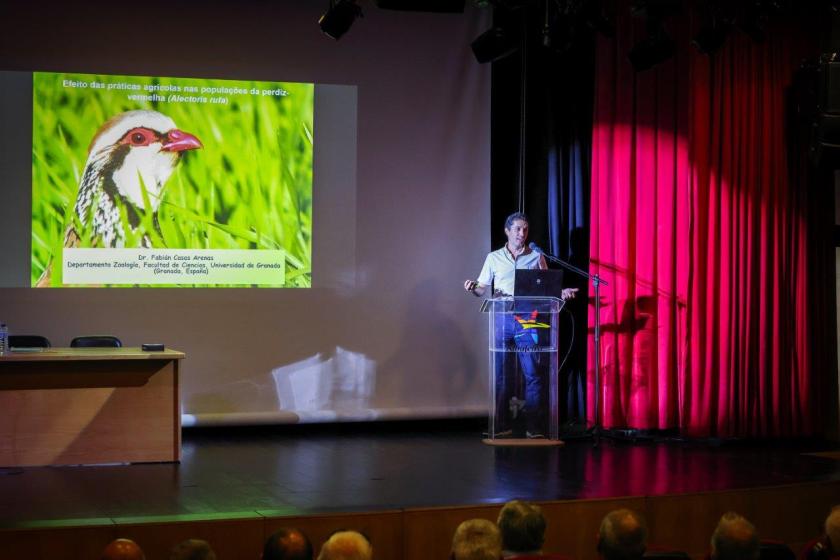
568, 293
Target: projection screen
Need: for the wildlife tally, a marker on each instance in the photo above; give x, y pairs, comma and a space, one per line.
377, 203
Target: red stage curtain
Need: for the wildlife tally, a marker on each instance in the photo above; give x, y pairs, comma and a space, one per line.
700, 233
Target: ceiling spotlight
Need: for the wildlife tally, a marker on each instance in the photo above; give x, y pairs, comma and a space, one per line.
493, 44
657, 47
438, 6
339, 17
711, 37
560, 35
753, 22
595, 19
656, 9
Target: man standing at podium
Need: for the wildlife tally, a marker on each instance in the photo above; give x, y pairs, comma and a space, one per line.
497, 277
500, 266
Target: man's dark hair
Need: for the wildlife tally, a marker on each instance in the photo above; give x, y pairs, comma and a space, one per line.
287, 544
192, 549
735, 538
522, 525
623, 535
513, 217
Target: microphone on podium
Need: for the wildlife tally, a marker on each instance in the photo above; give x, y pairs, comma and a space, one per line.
536, 248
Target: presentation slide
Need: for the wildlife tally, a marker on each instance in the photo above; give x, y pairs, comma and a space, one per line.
171, 182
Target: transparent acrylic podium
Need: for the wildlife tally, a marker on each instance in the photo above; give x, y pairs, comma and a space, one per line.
523, 370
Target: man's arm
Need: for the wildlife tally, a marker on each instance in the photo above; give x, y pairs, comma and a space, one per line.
482, 285
475, 287
567, 293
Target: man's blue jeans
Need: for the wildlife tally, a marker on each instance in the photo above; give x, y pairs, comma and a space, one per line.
519, 357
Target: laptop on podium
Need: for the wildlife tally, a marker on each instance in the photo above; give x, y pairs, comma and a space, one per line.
538, 282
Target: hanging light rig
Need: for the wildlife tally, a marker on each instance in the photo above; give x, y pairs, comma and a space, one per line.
339, 17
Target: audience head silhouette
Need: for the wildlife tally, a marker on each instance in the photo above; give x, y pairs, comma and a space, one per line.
122, 549
735, 538
832, 529
622, 536
522, 526
288, 544
476, 539
346, 545
192, 549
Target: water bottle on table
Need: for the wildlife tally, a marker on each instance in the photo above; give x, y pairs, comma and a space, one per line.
4, 339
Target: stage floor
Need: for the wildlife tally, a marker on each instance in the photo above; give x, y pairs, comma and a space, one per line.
305, 470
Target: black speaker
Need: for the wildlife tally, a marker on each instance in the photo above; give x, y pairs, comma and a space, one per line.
825, 140
829, 87
825, 125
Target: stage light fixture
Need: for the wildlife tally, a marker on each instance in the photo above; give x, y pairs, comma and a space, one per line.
493, 44
437, 6
656, 48
596, 20
560, 35
711, 37
339, 17
656, 10
753, 21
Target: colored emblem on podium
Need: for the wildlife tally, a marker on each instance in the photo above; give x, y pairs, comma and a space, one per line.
529, 325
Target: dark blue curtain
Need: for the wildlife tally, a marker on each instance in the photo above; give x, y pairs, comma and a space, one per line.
541, 145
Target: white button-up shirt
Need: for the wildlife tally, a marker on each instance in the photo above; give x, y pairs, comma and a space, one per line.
500, 266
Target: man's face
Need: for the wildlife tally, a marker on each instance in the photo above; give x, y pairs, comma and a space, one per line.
517, 233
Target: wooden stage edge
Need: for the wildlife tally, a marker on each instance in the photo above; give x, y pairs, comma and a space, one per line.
523, 442
790, 513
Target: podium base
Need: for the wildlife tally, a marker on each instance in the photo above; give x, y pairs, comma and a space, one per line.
522, 442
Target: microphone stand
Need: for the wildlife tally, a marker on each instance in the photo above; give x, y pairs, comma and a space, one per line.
596, 284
